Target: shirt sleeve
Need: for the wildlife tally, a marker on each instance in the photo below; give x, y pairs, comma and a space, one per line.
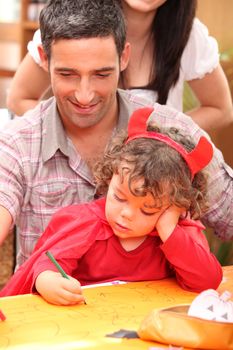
200, 55
196, 268
11, 176
70, 233
68, 236
33, 47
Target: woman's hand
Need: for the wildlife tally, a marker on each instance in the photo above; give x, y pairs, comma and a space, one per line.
168, 220
59, 290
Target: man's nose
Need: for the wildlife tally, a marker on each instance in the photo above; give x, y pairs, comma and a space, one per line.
84, 93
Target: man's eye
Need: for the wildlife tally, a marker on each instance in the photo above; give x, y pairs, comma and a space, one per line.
65, 74
118, 198
103, 75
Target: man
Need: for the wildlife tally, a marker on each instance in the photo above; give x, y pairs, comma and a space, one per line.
46, 157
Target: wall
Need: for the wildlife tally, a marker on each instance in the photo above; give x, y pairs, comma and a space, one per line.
10, 32
218, 16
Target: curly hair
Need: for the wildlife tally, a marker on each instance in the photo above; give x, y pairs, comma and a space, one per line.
163, 169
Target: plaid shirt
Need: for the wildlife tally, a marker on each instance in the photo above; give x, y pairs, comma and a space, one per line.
41, 171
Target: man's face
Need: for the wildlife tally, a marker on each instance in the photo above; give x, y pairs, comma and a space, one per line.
84, 78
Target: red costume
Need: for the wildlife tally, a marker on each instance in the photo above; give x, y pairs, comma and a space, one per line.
84, 244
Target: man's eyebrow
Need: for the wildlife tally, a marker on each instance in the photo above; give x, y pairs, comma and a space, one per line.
64, 69
102, 69
105, 69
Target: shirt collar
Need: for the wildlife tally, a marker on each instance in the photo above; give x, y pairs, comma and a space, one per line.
54, 135
124, 110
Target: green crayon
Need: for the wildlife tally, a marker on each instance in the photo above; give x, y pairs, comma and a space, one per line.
60, 269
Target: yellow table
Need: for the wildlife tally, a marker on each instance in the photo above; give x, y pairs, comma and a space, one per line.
34, 324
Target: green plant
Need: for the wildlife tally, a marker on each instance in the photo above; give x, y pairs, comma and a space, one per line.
223, 250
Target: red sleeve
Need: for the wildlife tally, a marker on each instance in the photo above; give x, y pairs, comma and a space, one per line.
196, 268
68, 236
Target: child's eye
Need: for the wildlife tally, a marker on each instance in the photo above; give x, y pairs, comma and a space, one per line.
147, 214
118, 198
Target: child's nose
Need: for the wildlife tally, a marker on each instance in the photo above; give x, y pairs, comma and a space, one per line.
127, 212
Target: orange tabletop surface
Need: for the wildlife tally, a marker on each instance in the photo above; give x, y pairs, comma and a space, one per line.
31, 323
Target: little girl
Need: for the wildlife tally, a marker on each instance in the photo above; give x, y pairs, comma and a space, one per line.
144, 229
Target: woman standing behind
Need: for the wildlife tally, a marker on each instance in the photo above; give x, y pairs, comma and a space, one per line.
169, 46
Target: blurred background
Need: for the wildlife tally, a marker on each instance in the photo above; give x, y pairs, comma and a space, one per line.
19, 20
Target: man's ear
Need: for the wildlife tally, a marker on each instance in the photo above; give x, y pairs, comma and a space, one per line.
125, 57
44, 59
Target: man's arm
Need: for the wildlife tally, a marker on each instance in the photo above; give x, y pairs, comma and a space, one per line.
5, 223
220, 175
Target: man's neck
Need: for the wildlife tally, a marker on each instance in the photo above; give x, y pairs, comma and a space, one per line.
104, 126
91, 142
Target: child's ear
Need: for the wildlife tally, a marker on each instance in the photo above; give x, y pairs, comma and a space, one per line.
44, 59
184, 214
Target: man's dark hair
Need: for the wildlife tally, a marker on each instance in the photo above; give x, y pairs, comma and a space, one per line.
78, 19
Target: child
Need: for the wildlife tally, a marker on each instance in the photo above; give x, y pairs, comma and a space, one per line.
142, 230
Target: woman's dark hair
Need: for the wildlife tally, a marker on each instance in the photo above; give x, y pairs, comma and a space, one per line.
163, 169
171, 30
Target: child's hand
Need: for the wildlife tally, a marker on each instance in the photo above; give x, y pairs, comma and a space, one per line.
168, 221
59, 290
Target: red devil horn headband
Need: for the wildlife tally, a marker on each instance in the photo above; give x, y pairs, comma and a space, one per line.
197, 159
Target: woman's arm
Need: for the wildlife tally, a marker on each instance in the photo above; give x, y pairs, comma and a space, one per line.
215, 110
28, 85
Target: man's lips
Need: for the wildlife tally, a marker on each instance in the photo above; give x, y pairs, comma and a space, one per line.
84, 108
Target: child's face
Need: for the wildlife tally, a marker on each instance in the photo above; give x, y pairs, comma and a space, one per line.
130, 215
